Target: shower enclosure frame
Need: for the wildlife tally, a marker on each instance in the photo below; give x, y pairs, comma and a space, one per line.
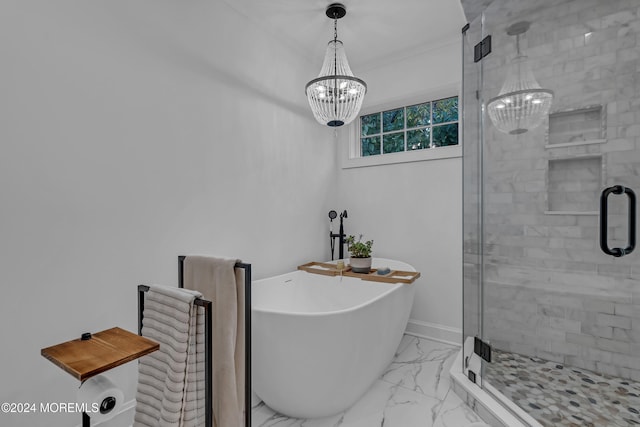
616, 214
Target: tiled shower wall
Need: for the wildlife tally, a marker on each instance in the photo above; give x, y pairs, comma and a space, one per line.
549, 291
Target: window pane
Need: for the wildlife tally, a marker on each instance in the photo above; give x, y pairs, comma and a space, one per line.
370, 125
370, 146
445, 135
418, 139
393, 120
419, 115
445, 110
393, 142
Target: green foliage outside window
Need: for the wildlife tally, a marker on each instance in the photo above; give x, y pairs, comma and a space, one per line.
445, 135
423, 126
419, 115
418, 139
445, 110
393, 120
371, 146
393, 142
370, 125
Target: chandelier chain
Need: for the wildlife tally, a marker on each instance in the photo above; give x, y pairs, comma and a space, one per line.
335, 62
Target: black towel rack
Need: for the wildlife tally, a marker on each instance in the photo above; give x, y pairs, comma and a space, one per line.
207, 305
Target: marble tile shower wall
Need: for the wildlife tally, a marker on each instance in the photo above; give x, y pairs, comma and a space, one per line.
549, 290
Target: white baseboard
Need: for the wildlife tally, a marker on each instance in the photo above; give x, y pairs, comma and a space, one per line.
434, 331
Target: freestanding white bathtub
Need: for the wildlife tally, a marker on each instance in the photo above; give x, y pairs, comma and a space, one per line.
319, 342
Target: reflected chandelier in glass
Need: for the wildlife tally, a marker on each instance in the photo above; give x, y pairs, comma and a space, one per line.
522, 103
336, 95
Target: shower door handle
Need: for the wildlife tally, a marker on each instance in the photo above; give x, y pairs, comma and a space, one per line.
604, 221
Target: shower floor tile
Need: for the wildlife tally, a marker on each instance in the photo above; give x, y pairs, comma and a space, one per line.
557, 395
413, 392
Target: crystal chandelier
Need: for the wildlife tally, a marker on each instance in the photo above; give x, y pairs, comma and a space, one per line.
336, 95
522, 103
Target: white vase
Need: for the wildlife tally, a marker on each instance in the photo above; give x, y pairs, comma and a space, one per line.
360, 265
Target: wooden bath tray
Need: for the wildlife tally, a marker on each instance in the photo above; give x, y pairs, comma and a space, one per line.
394, 276
328, 269
323, 268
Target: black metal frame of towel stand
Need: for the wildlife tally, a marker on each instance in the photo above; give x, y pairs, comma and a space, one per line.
247, 332
209, 340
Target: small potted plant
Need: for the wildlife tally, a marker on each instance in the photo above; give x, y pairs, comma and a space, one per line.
360, 259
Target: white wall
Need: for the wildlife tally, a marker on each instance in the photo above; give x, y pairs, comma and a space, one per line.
130, 133
413, 211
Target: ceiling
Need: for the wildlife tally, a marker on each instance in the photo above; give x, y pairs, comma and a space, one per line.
373, 31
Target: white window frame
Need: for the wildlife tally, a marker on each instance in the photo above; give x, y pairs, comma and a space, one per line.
351, 150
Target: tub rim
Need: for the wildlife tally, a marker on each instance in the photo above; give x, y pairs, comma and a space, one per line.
392, 288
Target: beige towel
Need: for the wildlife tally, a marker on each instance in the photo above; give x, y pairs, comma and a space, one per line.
220, 282
171, 380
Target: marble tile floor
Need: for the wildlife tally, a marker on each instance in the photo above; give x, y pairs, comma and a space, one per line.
414, 391
559, 396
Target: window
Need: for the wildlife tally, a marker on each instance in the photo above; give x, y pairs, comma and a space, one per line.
415, 127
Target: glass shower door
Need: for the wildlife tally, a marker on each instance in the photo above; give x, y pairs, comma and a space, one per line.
472, 185
554, 210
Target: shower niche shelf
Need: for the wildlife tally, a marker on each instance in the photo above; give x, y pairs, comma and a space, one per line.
573, 185
582, 126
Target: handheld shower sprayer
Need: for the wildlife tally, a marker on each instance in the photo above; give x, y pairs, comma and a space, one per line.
341, 236
332, 215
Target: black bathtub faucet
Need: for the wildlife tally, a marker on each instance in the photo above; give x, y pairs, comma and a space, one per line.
340, 235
